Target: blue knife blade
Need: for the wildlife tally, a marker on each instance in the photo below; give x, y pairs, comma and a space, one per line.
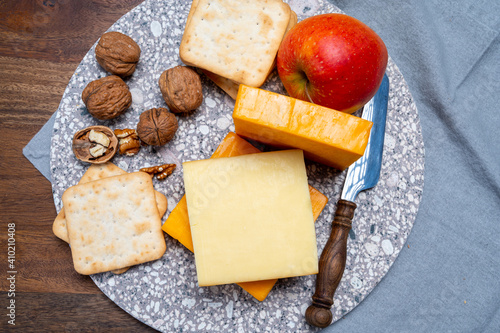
365, 172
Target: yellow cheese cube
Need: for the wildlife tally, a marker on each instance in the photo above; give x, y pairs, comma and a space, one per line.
327, 136
251, 217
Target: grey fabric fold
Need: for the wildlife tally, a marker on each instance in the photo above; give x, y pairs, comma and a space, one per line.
37, 151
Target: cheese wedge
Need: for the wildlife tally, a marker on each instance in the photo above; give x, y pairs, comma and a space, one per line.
177, 223
251, 217
327, 136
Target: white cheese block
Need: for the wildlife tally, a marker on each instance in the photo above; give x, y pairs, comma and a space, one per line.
251, 217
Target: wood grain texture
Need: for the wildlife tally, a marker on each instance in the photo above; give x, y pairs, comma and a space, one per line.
331, 266
57, 313
41, 44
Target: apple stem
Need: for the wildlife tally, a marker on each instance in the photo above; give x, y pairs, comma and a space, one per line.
307, 93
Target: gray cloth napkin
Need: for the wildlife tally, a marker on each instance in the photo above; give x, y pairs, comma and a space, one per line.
448, 279
37, 151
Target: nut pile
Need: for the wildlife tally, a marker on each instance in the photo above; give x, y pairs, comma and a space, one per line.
109, 97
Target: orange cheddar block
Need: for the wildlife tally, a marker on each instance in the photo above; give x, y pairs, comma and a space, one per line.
177, 224
326, 136
318, 201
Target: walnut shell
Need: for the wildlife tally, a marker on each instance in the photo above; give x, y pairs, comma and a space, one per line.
156, 127
107, 97
117, 53
81, 145
181, 89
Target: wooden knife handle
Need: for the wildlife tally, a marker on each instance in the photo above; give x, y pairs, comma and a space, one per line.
331, 266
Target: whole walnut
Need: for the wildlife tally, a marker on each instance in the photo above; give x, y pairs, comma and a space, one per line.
156, 127
181, 89
117, 53
107, 97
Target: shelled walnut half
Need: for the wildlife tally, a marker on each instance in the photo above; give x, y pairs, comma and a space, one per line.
128, 141
95, 144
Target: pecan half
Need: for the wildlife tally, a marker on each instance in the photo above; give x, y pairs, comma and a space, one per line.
129, 141
160, 171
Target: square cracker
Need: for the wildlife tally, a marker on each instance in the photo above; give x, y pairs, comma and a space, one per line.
95, 172
113, 223
237, 41
231, 87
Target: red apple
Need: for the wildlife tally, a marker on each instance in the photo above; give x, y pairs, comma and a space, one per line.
333, 60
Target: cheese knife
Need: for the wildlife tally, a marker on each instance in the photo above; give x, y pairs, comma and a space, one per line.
362, 175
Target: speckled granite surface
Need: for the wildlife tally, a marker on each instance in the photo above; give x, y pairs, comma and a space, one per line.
164, 294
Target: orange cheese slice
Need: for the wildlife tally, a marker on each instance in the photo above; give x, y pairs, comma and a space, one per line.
177, 224
327, 136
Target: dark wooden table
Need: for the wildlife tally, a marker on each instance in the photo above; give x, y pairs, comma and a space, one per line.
41, 45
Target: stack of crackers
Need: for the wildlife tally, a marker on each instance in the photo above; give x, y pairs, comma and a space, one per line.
235, 42
112, 220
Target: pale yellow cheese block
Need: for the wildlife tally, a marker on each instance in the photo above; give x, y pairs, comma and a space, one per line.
251, 217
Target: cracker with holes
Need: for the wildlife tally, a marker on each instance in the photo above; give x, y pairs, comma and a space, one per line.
237, 41
95, 172
113, 223
231, 87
